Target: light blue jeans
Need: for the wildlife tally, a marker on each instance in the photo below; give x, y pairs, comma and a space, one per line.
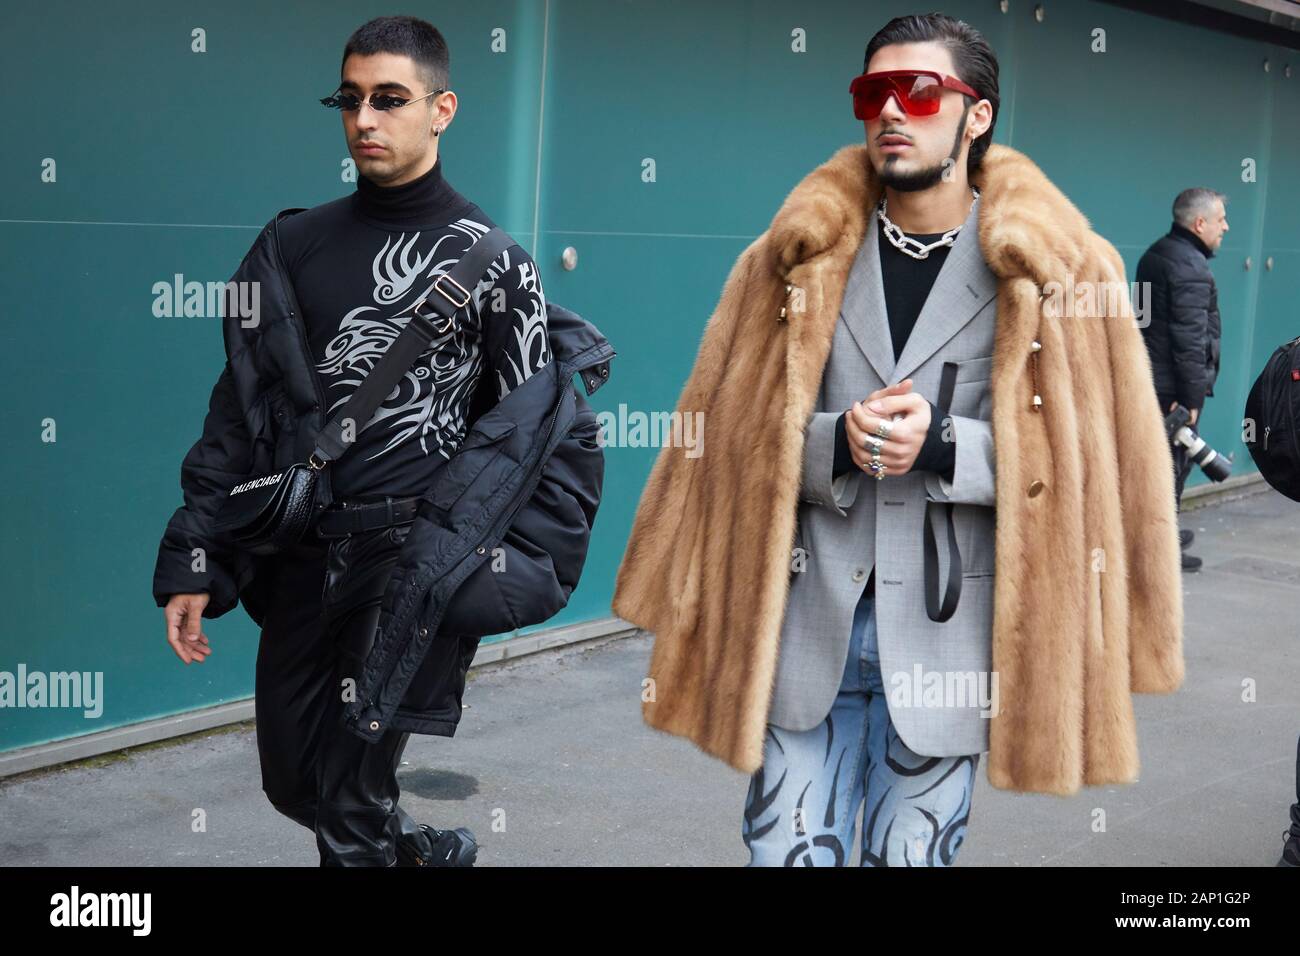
802, 805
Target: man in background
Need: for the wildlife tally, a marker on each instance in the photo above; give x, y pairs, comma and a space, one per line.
1182, 337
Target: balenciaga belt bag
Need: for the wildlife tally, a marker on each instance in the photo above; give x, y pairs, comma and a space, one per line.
263, 515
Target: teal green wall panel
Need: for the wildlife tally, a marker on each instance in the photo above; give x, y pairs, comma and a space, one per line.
1277, 290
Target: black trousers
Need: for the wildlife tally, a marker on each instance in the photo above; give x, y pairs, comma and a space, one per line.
1182, 468
315, 636
1182, 462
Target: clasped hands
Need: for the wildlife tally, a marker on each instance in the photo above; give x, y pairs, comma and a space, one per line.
909, 416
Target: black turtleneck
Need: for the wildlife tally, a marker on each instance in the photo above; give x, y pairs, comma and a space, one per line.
425, 201
1182, 232
358, 264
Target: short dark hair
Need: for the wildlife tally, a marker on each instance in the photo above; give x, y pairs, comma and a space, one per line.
406, 36
1197, 201
973, 59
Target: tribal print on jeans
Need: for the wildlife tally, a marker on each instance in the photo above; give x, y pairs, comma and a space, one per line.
802, 804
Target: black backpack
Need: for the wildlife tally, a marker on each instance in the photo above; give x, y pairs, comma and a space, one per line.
1272, 407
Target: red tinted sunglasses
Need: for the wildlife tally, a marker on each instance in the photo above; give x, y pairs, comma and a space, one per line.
918, 91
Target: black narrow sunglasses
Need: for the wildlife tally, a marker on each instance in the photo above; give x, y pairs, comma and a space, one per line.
348, 102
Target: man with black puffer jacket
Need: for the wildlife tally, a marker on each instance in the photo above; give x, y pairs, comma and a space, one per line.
1182, 336
465, 505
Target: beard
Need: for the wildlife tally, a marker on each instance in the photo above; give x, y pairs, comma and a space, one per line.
908, 181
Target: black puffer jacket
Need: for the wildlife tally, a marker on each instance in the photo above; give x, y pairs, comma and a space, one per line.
1183, 334
526, 479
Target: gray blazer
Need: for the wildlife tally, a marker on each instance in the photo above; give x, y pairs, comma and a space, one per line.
936, 676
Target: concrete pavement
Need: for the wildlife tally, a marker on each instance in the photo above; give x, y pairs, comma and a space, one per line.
553, 765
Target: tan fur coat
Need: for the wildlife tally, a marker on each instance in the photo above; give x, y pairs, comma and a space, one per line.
1088, 591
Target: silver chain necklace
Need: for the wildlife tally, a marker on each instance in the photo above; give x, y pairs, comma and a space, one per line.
914, 247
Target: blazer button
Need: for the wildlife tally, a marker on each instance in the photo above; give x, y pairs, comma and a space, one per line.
1035, 487
859, 574
424, 632
374, 725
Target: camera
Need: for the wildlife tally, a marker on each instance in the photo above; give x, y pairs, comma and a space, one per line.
1215, 466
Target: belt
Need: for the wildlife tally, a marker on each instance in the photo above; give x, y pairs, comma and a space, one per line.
352, 517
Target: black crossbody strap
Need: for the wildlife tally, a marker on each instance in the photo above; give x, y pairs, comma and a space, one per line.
936, 511
432, 316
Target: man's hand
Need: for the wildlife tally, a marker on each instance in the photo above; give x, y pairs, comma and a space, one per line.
899, 450
1195, 412
184, 615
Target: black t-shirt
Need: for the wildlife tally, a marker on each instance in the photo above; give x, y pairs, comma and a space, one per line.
358, 265
907, 282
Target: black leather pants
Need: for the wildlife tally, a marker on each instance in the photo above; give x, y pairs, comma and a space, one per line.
316, 634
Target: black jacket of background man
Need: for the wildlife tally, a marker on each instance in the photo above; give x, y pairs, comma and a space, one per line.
1182, 336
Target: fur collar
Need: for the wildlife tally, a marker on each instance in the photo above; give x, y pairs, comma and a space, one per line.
1027, 227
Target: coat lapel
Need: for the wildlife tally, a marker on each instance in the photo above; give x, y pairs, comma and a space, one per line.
863, 311
963, 287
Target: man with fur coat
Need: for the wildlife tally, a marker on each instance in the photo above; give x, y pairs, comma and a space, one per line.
937, 515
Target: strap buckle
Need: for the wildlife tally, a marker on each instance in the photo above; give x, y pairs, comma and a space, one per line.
464, 291
448, 322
